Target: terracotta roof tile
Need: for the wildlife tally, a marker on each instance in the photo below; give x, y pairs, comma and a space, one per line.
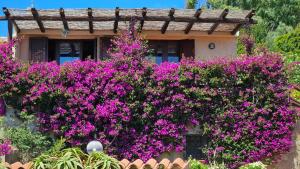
125, 164
150, 164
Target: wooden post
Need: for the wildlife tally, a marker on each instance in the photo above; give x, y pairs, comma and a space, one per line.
90, 14
36, 17
238, 26
190, 25
63, 19
117, 17
215, 25
10, 21
166, 24
10, 30
144, 13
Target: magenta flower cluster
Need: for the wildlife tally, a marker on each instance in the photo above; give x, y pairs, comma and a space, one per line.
2, 107
140, 110
5, 148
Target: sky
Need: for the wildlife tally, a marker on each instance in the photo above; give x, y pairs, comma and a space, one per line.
55, 4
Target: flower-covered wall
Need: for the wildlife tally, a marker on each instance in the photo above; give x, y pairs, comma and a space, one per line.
140, 110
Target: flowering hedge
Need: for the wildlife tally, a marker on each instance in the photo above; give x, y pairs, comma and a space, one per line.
140, 110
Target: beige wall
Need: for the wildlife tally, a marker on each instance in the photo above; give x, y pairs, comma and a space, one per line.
225, 42
224, 47
22, 50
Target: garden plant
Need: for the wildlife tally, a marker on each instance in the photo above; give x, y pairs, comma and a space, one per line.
138, 109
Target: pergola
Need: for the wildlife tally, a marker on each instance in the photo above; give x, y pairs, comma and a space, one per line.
185, 20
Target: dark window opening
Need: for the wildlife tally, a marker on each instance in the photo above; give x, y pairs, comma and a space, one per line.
194, 146
64, 51
88, 50
105, 46
164, 51
51, 50
68, 51
170, 50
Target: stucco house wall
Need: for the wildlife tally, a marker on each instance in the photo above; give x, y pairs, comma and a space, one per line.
225, 43
224, 47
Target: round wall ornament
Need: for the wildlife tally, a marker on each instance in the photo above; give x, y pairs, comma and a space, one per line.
212, 45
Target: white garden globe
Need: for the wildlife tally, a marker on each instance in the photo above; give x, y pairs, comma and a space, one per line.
94, 146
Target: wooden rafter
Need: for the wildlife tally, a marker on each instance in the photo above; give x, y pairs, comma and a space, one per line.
117, 17
63, 19
166, 24
238, 26
129, 18
190, 24
38, 20
142, 18
8, 17
90, 14
215, 25
144, 13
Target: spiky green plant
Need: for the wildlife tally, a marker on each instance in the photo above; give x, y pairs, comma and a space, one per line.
70, 159
101, 160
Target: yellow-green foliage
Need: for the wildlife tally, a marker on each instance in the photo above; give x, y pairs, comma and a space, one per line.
256, 165
73, 158
290, 42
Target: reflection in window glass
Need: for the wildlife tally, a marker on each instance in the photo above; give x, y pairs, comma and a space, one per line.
165, 51
63, 59
68, 52
174, 59
158, 59
155, 59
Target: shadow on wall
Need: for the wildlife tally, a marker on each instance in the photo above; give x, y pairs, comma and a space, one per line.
291, 160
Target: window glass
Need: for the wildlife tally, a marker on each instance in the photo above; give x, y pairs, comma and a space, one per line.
164, 51
68, 52
174, 59
158, 59
172, 52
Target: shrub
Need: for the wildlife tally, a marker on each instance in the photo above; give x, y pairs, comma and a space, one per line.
73, 158
29, 143
256, 165
2, 166
101, 160
290, 42
195, 164
140, 110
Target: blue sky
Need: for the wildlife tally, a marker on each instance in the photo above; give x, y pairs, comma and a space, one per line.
87, 3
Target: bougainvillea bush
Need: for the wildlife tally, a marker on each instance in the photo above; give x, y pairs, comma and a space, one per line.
140, 110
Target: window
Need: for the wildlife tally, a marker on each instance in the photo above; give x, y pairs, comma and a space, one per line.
164, 51
194, 146
68, 52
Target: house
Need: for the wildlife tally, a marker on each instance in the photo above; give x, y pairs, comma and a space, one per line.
72, 34
3, 39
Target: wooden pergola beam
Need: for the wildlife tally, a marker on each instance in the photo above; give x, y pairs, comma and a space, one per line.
90, 14
144, 13
63, 19
238, 26
215, 25
117, 17
8, 17
129, 18
36, 17
190, 24
166, 24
